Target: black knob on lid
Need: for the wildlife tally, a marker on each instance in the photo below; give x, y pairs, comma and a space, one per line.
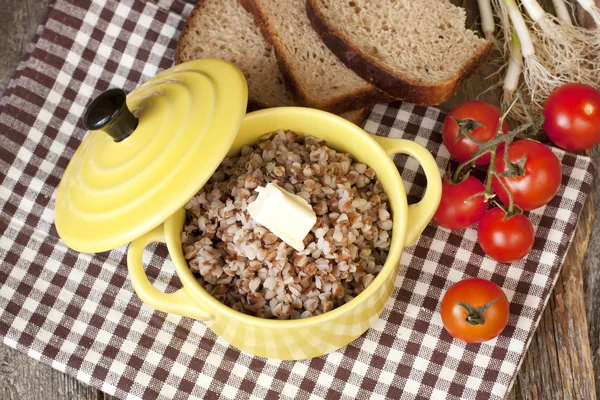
109, 113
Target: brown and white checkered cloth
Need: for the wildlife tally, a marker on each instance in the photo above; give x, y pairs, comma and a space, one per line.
79, 314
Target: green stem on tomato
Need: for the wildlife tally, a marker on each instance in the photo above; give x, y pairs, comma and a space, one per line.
492, 148
486, 147
511, 202
456, 176
503, 116
474, 316
506, 152
499, 205
491, 171
473, 139
471, 197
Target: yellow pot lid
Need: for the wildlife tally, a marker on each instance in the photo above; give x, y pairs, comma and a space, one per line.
181, 125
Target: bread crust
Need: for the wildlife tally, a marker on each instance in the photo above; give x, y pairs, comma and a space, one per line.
355, 100
385, 79
186, 31
253, 104
360, 115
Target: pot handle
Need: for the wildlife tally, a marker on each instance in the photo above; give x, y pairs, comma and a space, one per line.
178, 302
419, 214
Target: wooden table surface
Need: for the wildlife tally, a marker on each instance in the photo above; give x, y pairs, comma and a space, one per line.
563, 361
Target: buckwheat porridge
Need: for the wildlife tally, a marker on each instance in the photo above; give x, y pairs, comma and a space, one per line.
251, 270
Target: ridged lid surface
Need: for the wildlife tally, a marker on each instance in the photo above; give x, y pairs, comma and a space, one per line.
112, 193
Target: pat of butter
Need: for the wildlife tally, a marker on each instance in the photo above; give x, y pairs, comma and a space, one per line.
288, 216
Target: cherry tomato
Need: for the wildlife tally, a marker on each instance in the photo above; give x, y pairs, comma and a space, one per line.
505, 240
474, 310
479, 111
454, 212
572, 116
541, 180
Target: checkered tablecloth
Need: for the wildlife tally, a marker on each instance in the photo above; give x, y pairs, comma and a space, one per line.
79, 314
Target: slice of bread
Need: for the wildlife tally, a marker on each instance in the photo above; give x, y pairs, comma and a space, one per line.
356, 116
223, 29
415, 50
312, 71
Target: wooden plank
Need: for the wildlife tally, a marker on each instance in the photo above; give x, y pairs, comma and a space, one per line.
591, 262
591, 282
19, 19
22, 377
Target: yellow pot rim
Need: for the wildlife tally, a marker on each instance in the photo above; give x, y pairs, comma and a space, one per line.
399, 228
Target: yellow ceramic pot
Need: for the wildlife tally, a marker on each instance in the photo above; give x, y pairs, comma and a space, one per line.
314, 336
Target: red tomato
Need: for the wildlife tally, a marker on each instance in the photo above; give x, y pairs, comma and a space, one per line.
474, 310
505, 240
454, 212
479, 111
572, 116
541, 180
